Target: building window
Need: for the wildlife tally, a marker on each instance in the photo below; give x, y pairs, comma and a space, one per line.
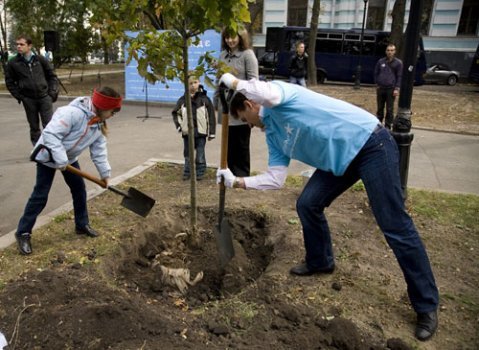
469, 18
297, 12
376, 12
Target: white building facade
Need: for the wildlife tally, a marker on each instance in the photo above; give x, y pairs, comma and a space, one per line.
450, 28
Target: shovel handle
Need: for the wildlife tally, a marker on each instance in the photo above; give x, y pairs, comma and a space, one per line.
224, 128
86, 176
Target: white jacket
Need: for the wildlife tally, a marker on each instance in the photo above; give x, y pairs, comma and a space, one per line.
71, 130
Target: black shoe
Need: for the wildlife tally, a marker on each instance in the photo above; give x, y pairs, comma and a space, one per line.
87, 230
304, 270
24, 245
426, 325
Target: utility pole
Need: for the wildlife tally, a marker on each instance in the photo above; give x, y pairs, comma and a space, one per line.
402, 123
357, 78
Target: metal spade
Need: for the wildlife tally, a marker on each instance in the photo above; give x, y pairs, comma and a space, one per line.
133, 200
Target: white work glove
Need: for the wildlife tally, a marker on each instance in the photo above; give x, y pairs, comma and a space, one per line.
228, 79
227, 175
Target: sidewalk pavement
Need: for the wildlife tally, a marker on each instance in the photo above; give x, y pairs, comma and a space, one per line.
439, 161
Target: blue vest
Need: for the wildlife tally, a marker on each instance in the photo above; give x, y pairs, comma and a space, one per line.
315, 129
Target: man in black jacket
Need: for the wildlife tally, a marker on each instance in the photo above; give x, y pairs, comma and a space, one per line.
32, 81
387, 76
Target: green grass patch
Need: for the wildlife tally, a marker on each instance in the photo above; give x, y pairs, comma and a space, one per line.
459, 210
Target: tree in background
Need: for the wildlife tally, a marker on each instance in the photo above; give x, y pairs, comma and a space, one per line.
71, 19
397, 26
312, 73
163, 55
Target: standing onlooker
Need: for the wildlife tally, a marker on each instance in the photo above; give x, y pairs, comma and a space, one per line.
203, 121
238, 55
387, 76
32, 81
298, 66
73, 128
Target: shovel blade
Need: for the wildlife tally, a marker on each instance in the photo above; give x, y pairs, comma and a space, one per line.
138, 202
225, 243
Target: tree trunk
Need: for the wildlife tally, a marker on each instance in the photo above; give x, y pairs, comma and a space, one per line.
193, 237
397, 26
312, 74
105, 51
255, 9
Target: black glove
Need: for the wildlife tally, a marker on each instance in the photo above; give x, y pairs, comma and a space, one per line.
54, 96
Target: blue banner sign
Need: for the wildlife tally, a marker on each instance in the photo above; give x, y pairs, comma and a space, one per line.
137, 89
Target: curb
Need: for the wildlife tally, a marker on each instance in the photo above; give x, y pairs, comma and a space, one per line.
9, 238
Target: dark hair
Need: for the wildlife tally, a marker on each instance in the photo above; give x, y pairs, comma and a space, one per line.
244, 42
237, 104
26, 38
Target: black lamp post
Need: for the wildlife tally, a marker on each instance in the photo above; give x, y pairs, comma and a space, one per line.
357, 80
402, 122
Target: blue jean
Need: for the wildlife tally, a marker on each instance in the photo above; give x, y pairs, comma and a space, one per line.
39, 197
377, 165
299, 81
200, 160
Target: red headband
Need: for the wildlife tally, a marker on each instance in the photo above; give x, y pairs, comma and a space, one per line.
104, 102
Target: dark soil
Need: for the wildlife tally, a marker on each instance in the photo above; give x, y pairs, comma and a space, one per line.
118, 295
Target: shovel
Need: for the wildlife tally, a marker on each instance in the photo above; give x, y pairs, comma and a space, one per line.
134, 200
223, 230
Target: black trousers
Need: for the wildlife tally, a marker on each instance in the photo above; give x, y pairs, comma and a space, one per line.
37, 109
238, 150
385, 97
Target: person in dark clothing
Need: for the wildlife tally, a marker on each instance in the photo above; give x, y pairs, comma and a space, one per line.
32, 81
238, 55
298, 66
387, 76
204, 124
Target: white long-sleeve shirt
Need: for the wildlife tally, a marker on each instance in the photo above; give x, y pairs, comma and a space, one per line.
267, 95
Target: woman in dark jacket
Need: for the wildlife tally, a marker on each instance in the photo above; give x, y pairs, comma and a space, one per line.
298, 66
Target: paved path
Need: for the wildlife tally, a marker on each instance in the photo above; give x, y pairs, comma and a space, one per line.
440, 161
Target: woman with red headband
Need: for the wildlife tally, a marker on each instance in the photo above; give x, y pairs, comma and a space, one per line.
73, 128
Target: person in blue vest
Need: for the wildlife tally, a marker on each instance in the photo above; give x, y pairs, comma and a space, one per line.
345, 144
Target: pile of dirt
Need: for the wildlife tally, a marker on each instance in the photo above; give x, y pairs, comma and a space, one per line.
125, 297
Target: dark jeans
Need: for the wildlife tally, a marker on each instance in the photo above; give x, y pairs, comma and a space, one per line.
238, 150
200, 160
377, 165
385, 97
37, 109
39, 197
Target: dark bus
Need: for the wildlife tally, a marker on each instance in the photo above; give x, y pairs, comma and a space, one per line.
474, 71
337, 52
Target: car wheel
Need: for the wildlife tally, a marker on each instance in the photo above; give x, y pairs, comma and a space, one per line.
320, 77
452, 80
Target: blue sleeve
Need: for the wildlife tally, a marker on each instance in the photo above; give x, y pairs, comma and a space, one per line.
276, 157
